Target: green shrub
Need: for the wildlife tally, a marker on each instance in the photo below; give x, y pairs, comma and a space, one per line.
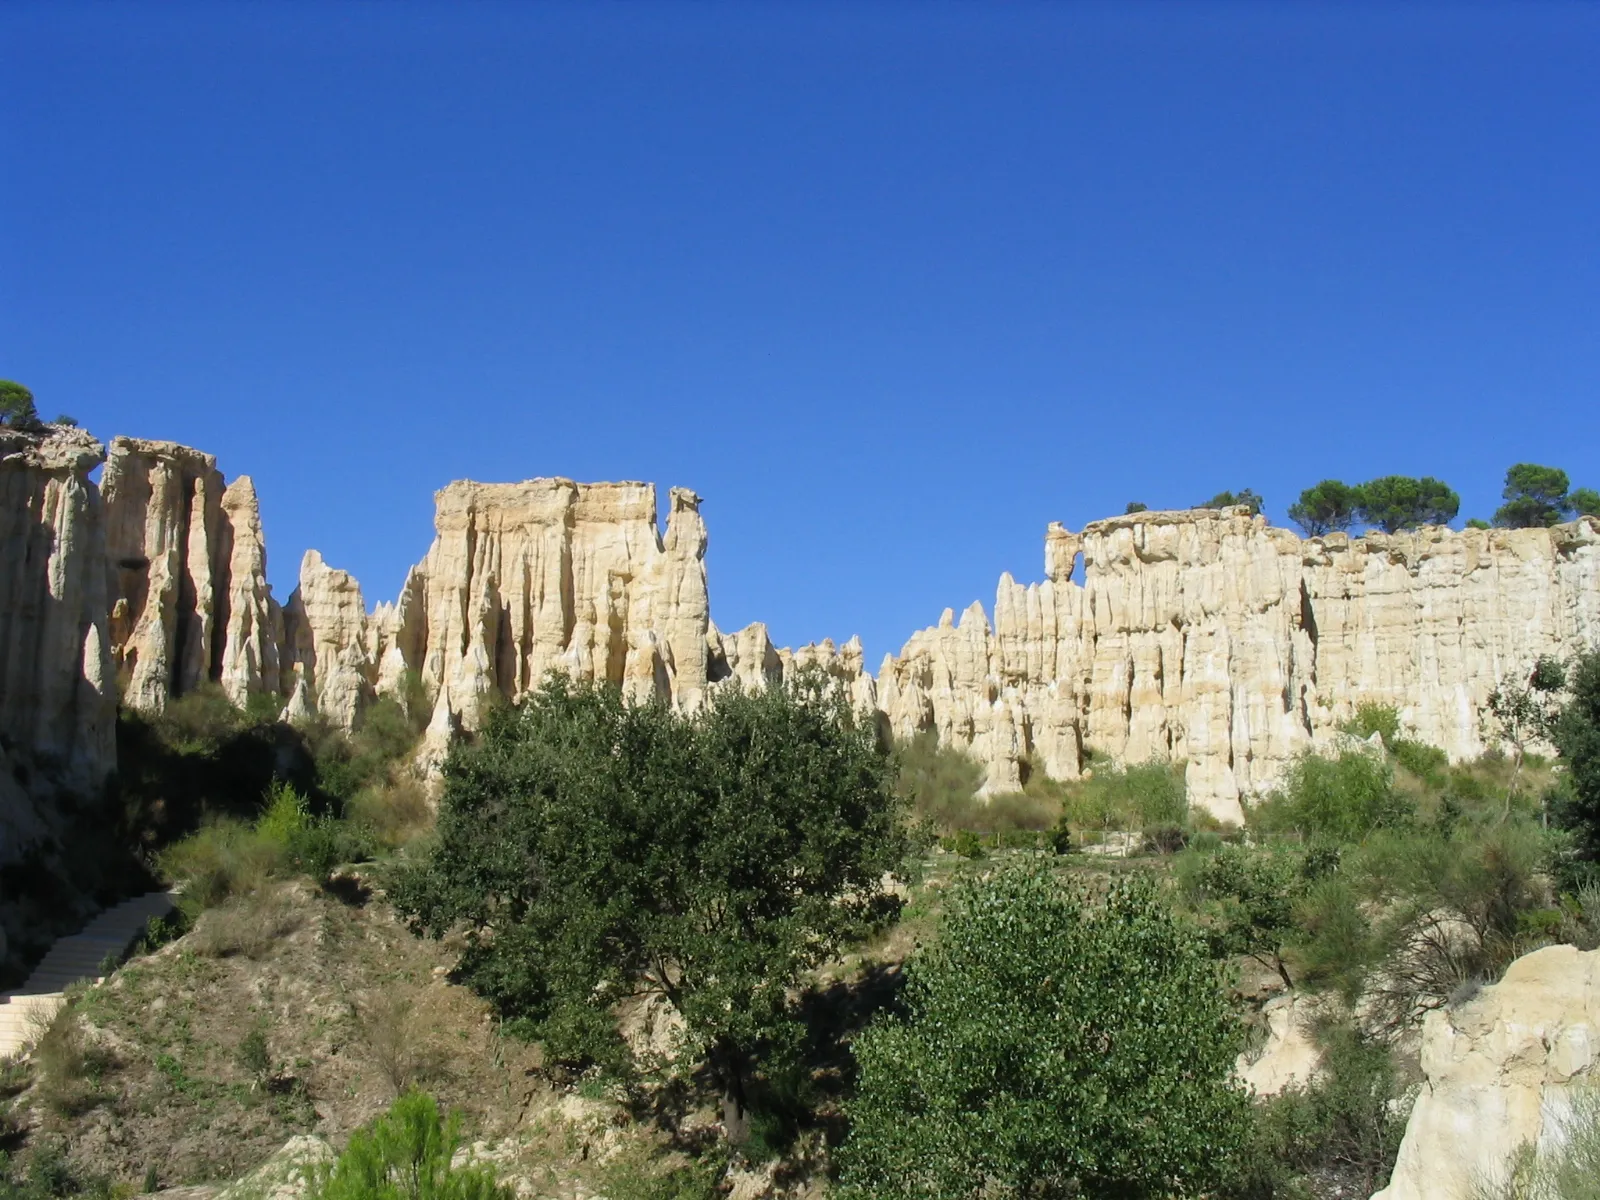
1568, 1170
1124, 798
1426, 762
395, 812
1342, 799
1245, 899
1370, 718
406, 1155
1051, 1045
1350, 1119
939, 783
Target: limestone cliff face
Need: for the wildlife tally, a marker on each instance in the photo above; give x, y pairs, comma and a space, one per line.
57, 699
1500, 1071
190, 601
1211, 637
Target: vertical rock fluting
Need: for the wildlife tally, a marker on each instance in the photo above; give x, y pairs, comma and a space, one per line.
57, 698
188, 570
1211, 637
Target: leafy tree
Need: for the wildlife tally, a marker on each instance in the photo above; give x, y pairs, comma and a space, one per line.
16, 405
1522, 712
406, 1155
1329, 506
1585, 502
597, 849
1050, 1047
1576, 734
1136, 506
1397, 502
1245, 898
65, 421
1230, 499
1535, 497
1478, 523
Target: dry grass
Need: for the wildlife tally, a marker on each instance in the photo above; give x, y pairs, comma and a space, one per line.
399, 1027
396, 812
70, 1064
249, 925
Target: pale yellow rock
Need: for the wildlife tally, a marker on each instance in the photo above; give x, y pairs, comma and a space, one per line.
1289, 1058
1499, 1072
250, 620
325, 636
57, 690
1210, 637
163, 505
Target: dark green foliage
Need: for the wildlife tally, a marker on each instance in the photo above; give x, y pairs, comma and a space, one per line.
406, 1155
1397, 502
1138, 796
1247, 497
49, 1176
1411, 916
597, 849
1535, 497
1351, 1119
1329, 506
1050, 1046
1245, 898
1340, 799
1136, 506
1576, 734
1584, 502
1478, 523
1426, 762
16, 405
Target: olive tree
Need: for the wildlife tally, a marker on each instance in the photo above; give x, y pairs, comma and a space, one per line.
1050, 1046
597, 850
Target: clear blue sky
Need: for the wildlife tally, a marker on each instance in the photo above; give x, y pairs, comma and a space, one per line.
890, 285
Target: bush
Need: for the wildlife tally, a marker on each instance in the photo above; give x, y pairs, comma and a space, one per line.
1340, 799
250, 924
1245, 900
71, 1064
1570, 1167
1133, 797
406, 1155
939, 784
1349, 1120
395, 812
1050, 1046
1370, 718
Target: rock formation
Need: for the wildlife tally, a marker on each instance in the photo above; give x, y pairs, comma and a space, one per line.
190, 601
57, 699
1500, 1071
1211, 637
1205, 636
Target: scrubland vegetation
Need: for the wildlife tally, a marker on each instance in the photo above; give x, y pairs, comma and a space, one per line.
645, 954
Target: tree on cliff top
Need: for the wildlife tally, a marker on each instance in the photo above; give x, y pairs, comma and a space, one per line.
1535, 497
1052, 1045
1229, 499
598, 850
1329, 506
1397, 502
16, 405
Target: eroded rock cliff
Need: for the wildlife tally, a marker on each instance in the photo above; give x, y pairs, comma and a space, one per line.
1500, 1071
190, 600
1211, 637
57, 699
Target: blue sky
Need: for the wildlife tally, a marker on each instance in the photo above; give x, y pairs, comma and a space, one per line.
890, 285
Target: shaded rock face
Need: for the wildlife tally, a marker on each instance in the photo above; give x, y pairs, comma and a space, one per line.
1211, 637
57, 698
1500, 1071
187, 564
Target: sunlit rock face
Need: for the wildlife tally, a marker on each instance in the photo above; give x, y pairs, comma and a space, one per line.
187, 561
1202, 636
57, 698
1211, 637
1501, 1070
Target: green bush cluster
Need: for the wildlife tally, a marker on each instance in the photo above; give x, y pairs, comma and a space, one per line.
406, 1154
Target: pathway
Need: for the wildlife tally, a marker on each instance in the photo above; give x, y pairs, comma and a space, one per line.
72, 958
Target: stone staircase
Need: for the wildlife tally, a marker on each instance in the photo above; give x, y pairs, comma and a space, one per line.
71, 959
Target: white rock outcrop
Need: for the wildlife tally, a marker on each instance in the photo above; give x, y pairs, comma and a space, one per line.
1209, 636
57, 693
1500, 1071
